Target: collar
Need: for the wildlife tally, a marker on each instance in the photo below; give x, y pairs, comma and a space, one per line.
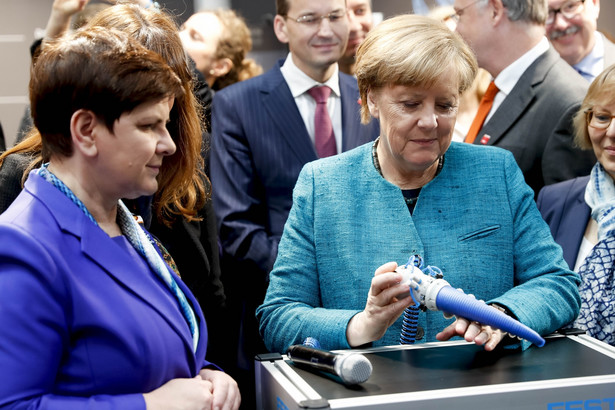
508, 78
299, 82
593, 63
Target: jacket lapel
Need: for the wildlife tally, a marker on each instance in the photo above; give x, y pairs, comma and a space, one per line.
520, 98
284, 114
103, 251
97, 245
574, 220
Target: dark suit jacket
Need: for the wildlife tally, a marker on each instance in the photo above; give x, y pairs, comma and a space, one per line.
259, 145
11, 174
81, 313
563, 207
539, 108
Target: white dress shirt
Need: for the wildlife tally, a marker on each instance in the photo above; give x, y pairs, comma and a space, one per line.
299, 83
593, 63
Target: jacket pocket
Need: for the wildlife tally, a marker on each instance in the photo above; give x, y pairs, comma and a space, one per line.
479, 234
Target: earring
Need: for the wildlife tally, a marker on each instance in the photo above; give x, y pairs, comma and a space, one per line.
211, 72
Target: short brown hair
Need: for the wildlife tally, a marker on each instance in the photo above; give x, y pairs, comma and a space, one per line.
282, 7
104, 71
411, 50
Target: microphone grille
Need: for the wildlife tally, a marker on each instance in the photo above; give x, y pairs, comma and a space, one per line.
354, 368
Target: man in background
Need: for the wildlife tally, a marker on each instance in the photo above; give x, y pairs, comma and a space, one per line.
263, 131
571, 28
535, 93
360, 22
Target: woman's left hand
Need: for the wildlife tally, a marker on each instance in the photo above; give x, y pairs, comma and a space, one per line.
473, 332
224, 389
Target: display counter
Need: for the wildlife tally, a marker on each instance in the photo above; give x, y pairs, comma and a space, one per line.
569, 372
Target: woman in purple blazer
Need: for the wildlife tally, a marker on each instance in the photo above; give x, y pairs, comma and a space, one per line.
580, 212
92, 315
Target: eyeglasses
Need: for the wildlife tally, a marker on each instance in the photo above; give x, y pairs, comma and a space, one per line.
455, 16
312, 20
598, 120
568, 10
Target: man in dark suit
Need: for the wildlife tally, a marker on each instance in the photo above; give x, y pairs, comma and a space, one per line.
263, 132
538, 91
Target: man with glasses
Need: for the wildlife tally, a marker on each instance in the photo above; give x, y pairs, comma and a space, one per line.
536, 93
571, 27
263, 131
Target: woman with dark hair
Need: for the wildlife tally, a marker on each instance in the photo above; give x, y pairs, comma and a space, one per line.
180, 214
109, 323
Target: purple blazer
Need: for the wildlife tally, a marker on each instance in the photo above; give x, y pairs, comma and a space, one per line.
563, 207
82, 326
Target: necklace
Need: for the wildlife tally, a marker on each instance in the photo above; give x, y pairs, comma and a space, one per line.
377, 162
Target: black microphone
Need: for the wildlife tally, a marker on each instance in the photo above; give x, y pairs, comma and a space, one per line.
352, 368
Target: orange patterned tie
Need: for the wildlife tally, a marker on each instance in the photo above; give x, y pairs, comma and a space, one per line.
483, 109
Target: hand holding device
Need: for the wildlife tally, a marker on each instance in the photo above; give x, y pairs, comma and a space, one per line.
434, 293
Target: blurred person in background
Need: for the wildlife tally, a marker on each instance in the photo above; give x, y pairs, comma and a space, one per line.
360, 22
572, 29
470, 99
218, 42
534, 93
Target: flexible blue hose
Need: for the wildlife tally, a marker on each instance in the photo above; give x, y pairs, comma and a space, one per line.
409, 325
457, 303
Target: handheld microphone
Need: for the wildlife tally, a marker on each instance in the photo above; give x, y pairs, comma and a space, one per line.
352, 368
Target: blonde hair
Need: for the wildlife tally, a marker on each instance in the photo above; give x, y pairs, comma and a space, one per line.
601, 91
235, 42
411, 50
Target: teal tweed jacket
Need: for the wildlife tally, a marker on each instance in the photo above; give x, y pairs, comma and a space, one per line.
477, 221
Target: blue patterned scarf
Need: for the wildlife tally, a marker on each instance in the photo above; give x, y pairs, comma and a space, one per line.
141, 241
597, 315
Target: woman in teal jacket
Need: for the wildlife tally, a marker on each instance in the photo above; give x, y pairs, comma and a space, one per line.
469, 212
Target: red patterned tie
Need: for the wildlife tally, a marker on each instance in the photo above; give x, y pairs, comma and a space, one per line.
323, 128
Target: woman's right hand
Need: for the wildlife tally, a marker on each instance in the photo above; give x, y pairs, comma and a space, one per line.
181, 394
382, 307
